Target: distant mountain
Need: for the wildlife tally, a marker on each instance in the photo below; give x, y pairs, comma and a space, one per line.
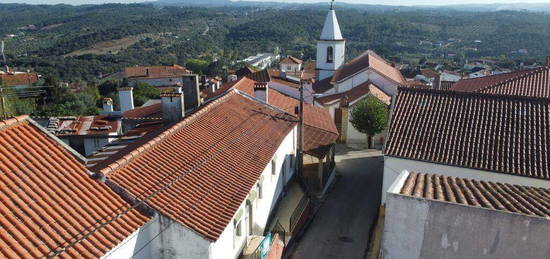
533, 7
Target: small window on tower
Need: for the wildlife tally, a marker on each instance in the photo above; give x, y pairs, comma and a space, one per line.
330, 55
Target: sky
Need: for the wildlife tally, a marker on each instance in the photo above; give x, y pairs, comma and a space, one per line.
384, 2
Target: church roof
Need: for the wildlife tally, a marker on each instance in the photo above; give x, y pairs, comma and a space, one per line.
331, 29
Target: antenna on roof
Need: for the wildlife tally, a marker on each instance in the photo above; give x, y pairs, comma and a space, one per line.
332, 5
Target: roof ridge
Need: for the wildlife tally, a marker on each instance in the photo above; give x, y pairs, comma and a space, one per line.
473, 94
253, 98
13, 121
520, 75
162, 136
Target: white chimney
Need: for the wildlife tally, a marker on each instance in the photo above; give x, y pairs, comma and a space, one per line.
261, 91
126, 98
173, 109
108, 105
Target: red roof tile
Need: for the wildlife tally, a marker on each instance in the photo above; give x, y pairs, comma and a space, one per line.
157, 71
531, 83
291, 60
18, 79
506, 134
498, 196
216, 155
356, 93
242, 84
151, 111
48, 198
319, 132
86, 125
369, 59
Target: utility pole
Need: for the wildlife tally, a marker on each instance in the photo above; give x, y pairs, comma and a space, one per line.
3, 102
301, 131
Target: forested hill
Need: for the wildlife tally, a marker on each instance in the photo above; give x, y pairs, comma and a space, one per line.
82, 42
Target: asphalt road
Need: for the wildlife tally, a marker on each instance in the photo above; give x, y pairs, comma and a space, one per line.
341, 227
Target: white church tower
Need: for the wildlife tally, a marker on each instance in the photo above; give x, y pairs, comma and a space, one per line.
331, 47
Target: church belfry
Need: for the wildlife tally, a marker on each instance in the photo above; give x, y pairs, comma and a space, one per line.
331, 47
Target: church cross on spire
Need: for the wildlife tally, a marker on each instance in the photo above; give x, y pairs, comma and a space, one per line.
332, 5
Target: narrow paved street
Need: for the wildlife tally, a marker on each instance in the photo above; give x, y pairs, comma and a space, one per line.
341, 226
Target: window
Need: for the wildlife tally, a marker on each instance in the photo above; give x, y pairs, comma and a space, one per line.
288, 67
259, 191
273, 167
237, 230
97, 142
330, 55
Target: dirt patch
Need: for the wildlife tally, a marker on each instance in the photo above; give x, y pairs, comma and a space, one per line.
110, 46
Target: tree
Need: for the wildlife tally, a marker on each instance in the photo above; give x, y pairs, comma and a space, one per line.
369, 116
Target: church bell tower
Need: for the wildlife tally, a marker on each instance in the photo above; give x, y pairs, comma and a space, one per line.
331, 47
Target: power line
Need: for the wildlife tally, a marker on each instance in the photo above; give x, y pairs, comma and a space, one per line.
59, 250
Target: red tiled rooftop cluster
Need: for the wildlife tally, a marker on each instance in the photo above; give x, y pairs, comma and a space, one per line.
48, 199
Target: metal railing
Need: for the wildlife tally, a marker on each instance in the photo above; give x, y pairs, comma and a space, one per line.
298, 212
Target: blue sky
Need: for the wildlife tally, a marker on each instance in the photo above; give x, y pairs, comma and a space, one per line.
388, 2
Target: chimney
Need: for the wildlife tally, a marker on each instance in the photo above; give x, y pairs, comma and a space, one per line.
261, 91
173, 109
108, 105
126, 98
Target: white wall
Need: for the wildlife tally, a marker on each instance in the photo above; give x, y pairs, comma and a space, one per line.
339, 48
394, 166
272, 187
161, 237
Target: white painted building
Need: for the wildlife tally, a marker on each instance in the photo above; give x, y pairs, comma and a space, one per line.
468, 135
230, 183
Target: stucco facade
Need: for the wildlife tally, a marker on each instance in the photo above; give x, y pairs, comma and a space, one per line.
393, 166
164, 238
420, 228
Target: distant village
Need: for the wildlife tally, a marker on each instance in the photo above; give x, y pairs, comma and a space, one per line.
244, 165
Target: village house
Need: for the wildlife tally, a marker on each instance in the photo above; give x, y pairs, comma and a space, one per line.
291, 64
85, 134
434, 216
18, 79
469, 135
167, 77
446, 80
217, 209
340, 85
51, 205
261, 60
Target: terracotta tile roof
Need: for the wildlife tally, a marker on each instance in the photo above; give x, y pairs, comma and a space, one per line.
84, 125
323, 85
157, 71
222, 149
319, 132
356, 93
506, 134
19, 79
498, 196
242, 84
429, 73
291, 60
151, 111
130, 141
260, 76
244, 71
369, 59
532, 83
48, 198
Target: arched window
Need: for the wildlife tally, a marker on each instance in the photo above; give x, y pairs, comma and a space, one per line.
330, 55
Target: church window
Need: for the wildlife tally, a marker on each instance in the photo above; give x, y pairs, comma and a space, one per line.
330, 55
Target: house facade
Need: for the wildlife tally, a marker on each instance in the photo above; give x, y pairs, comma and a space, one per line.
438, 216
468, 135
222, 190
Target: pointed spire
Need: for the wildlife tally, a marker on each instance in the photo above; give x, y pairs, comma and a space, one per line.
331, 29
